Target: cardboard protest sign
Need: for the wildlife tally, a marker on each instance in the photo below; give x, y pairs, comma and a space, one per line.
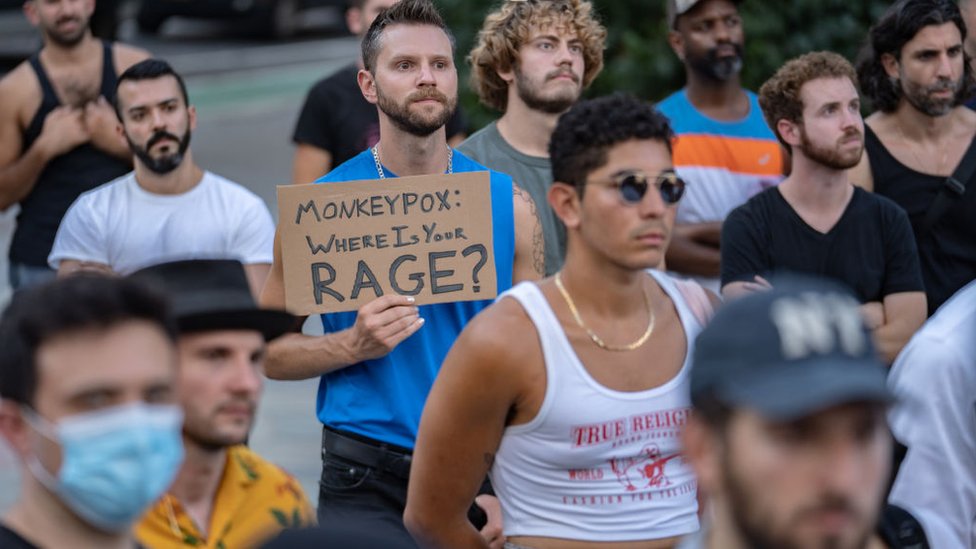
344, 244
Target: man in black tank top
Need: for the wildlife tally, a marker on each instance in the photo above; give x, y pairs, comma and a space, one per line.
917, 76
58, 129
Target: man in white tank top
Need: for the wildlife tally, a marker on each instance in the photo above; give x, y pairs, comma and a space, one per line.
571, 392
788, 435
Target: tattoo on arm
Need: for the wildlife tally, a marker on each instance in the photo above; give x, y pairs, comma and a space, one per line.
538, 242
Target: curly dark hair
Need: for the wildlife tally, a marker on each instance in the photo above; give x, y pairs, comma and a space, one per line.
899, 24
587, 131
507, 28
404, 12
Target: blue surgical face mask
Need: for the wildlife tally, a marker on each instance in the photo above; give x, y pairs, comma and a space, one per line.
114, 462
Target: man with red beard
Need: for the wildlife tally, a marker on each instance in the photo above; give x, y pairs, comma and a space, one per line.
917, 75
168, 208
816, 221
57, 128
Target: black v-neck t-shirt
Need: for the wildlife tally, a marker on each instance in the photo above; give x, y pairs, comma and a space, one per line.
871, 248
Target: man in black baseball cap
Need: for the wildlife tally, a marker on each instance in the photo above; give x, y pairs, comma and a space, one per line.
788, 434
224, 495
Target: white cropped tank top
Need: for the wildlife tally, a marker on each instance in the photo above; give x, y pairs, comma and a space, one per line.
597, 464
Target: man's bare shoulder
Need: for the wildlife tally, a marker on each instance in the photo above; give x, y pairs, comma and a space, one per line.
126, 56
503, 330
19, 83
21, 93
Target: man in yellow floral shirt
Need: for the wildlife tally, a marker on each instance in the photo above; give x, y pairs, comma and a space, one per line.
225, 496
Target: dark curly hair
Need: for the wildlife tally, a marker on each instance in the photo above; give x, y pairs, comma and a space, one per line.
899, 24
587, 131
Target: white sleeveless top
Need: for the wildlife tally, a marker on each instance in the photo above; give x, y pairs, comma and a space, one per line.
597, 464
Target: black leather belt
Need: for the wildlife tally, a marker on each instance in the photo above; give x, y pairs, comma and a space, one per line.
370, 453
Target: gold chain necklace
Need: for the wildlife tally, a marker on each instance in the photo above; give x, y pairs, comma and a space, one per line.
597, 339
911, 148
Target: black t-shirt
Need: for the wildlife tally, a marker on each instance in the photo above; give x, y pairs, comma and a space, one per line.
337, 118
870, 248
948, 252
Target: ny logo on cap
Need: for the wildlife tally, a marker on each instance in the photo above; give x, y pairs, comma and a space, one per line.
818, 323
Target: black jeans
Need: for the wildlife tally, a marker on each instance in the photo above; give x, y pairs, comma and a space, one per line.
354, 495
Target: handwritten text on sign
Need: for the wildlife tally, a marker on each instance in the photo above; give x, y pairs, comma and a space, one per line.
345, 244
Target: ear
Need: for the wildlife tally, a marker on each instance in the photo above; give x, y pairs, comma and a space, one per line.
677, 43
565, 202
13, 428
191, 113
789, 131
30, 12
508, 75
354, 21
367, 85
890, 65
703, 450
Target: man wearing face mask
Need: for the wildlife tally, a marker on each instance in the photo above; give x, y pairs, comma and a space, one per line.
87, 381
725, 150
169, 208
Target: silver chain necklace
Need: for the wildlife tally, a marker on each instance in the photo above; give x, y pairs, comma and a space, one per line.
382, 174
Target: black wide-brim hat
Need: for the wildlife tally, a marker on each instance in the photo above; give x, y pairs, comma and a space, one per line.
213, 294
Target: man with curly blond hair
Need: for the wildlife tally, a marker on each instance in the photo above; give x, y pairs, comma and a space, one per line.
532, 61
816, 221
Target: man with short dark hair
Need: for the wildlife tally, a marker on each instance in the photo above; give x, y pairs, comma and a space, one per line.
788, 436
336, 123
816, 221
88, 387
916, 72
224, 495
57, 128
532, 61
168, 208
724, 149
571, 391
377, 364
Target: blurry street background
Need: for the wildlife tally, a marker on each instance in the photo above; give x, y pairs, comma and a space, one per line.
248, 92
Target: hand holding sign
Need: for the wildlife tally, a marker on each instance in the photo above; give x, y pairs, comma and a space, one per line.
381, 325
345, 244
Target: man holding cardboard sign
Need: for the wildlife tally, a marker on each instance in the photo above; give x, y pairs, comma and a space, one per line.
378, 363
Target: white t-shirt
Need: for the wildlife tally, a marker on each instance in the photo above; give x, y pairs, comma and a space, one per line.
934, 379
122, 225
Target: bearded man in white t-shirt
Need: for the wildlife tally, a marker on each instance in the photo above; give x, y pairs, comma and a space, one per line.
168, 208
